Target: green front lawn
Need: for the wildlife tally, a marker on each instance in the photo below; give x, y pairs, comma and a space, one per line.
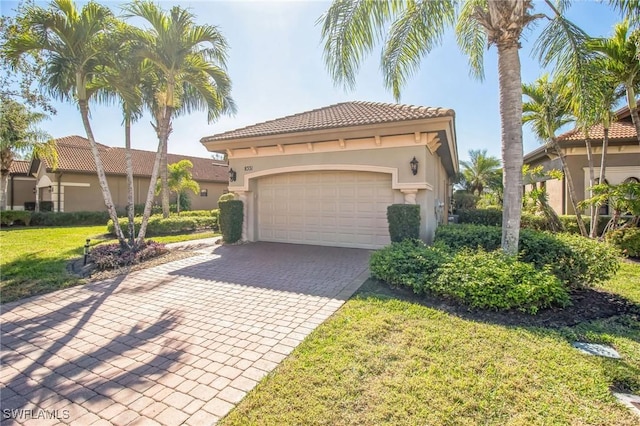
385, 359
34, 260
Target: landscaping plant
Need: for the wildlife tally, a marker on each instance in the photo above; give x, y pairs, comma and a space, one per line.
404, 221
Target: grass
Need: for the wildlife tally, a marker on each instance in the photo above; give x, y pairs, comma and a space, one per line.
34, 260
382, 360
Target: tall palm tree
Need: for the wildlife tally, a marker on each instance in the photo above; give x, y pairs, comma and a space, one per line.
20, 136
480, 171
351, 30
618, 58
189, 64
74, 42
120, 78
547, 110
180, 179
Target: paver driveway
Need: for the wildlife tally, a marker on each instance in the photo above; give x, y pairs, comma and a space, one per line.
178, 343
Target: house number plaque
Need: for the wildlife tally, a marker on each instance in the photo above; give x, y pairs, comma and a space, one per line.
248, 168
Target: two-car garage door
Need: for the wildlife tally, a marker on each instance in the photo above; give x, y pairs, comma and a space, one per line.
333, 208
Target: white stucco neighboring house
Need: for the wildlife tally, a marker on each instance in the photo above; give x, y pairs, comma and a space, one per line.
326, 176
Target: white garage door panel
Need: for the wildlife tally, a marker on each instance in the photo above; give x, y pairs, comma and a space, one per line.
336, 208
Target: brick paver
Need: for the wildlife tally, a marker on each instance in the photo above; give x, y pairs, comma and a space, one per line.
178, 343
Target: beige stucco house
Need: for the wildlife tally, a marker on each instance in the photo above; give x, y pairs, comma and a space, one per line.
73, 184
326, 176
622, 160
21, 185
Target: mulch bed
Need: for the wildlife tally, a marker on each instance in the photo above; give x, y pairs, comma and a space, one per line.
588, 305
91, 273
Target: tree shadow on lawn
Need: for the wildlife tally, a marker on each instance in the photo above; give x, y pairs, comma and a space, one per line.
596, 316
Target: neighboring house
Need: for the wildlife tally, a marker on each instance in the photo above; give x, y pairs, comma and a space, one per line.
21, 185
326, 176
622, 161
73, 185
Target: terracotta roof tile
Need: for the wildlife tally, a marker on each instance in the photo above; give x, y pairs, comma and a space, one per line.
19, 167
74, 155
344, 114
617, 130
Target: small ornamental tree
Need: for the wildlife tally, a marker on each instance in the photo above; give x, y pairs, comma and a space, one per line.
231, 217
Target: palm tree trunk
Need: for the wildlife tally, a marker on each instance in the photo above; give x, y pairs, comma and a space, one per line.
511, 118
130, 194
570, 187
592, 208
102, 178
633, 108
603, 165
4, 184
164, 185
178, 202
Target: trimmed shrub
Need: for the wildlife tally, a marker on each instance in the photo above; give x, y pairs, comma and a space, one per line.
626, 240
463, 200
530, 221
404, 221
69, 218
30, 206
570, 223
575, 260
489, 217
172, 225
111, 256
410, 263
493, 280
11, 217
231, 217
46, 206
226, 197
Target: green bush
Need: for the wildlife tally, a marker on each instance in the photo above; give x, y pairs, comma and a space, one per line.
410, 263
404, 221
46, 206
68, 218
231, 217
530, 221
489, 217
575, 260
463, 200
172, 225
570, 223
626, 240
493, 280
226, 197
11, 217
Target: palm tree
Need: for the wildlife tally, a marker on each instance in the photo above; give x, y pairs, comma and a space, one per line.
189, 63
180, 180
480, 171
351, 30
618, 58
20, 136
546, 111
74, 42
120, 78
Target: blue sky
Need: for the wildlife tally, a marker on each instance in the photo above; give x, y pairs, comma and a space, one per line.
276, 66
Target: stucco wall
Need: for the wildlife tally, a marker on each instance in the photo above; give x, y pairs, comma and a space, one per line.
22, 192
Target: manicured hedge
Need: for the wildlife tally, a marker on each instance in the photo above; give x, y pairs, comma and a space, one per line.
575, 260
409, 263
490, 217
11, 217
626, 240
172, 225
68, 218
404, 221
493, 280
231, 217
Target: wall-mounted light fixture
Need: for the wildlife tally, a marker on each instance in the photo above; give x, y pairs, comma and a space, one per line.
34, 189
414, 166
51, 188
232, 175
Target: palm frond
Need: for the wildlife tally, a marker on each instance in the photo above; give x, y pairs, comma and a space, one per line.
471, 37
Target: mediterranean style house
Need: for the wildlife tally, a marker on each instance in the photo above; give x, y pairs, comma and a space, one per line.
622, 161
326, 176
73, 184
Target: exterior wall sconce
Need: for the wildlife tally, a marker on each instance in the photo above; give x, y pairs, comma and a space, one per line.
232, 175
414, 166
34, 189
51, 188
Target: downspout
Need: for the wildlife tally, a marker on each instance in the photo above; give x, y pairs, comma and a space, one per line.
59, 188
12, 176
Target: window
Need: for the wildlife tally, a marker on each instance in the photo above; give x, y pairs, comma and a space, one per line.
204, 192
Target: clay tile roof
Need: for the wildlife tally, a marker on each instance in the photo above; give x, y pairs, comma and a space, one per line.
19, 167
617, 130
74, 155
345, 114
